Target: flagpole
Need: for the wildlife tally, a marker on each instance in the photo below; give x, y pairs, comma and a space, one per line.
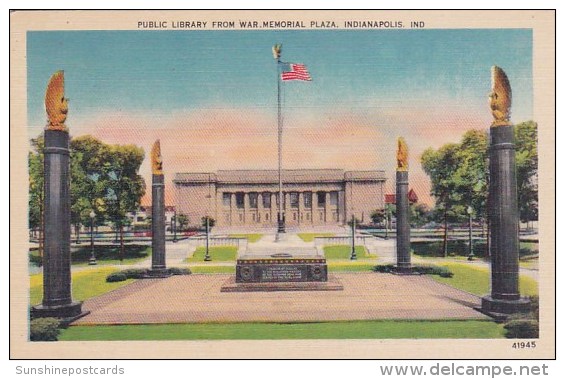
280, 216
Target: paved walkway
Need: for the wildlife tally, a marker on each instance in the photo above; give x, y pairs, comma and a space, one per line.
288, 243
197, 298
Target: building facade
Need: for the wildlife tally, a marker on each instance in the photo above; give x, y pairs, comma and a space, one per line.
250, 197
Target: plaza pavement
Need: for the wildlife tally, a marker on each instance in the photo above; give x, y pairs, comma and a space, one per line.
197, 298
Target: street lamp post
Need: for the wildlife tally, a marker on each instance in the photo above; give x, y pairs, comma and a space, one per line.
207, 255
470, 213
387, 222
175, 227
92, 260
353, 254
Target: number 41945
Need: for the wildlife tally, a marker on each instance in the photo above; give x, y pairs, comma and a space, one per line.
524, 345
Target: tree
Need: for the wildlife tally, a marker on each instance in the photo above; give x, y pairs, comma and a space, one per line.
460, 177
441, 166
211, 221
527, 170
378, 216
420, 214
94, 182
88, 155
123, 184
182, 221
35, 202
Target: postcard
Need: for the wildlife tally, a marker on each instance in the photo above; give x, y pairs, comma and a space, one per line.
282, 184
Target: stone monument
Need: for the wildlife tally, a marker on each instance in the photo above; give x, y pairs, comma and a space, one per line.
503, 205
276, 267
57, 300
403, 263
158, 264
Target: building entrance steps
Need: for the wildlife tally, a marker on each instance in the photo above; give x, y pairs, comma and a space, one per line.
287, 243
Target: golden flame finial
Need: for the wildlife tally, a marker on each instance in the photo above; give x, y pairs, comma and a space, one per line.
56, 105
402, 155
277, 48
156, 160
500, 98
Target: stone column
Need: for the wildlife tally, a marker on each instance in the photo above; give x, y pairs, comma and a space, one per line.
402, 222
300, 206
314, 206
260, 209
57, 300
273, 220
341, 214
232, 209
158, 257
327, 210
504, 219
287, 208
246, 208
503, 205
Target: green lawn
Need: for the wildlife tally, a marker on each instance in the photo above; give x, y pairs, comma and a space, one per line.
344, 252
258, 331
85, 284
217, 253
351, 266
105, 254
476, 280
309, 237
212, 269
251, 237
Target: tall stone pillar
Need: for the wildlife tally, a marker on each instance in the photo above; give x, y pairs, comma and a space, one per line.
57, 299
403, 262
503, 205
158, 257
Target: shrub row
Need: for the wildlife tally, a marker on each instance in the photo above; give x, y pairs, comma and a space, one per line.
138, 273
44, 329
444, 272
524, 325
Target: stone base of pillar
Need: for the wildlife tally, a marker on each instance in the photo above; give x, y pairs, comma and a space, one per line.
157, 273
404, 270
501, 309
66, 313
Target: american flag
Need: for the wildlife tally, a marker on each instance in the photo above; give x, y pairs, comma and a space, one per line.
295, 71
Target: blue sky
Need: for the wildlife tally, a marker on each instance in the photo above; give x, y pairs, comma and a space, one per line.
171, 70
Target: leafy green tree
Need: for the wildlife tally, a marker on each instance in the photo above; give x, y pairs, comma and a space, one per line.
35, 201
420, 214
378, 216
123, 185
35, 167
441, 166
527, 169
211, 221
104, 179
459, 175
182, 221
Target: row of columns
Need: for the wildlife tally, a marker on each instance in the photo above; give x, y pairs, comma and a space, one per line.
272, 211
